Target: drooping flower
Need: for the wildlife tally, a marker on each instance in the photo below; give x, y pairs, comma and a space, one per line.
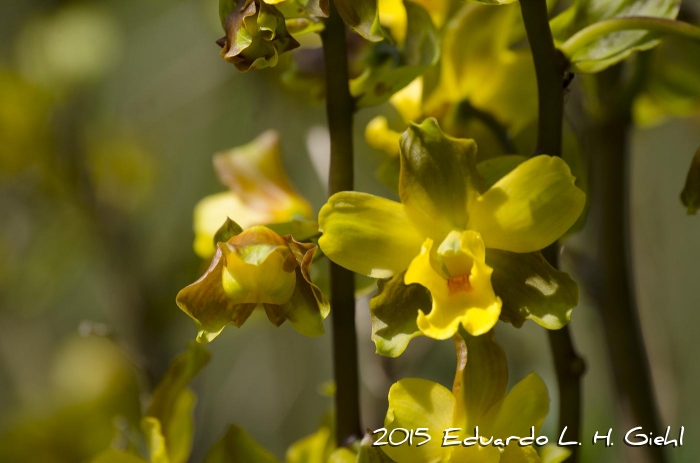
448, 223
478, 398
260, 192
256, 268
256, 34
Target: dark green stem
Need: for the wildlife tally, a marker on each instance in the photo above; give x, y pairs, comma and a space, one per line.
613, 286
550, 67
340, 108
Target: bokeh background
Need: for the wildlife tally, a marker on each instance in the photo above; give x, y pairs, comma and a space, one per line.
110, 112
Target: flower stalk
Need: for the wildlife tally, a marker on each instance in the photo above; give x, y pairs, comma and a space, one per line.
550, 67
340, 108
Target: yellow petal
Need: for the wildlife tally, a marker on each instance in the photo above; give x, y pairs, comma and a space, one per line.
475, 454
459, 282
516, 454
255, 173
392, 15
526, 405
409, 100
367, 234
260, 268
529, 208
418, 403
213, 211
380, 137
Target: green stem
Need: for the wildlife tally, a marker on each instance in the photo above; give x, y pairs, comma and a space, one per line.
467, 111
622, 330
340, 108
606, 27
549, 67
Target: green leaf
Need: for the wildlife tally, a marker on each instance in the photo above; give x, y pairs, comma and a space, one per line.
394, 71
362, 16
238, 447
227, 231
532, 289
394, 311
168, 421
690, 197
439, 179
672, 82
318, 8
596, 34
117, 456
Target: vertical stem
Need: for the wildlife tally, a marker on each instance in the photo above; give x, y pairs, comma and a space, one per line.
549, 67
623, 335
340, 108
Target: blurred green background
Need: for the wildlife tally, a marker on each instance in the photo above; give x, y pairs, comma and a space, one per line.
110, 112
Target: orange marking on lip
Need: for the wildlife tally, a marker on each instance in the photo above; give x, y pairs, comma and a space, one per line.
459, 283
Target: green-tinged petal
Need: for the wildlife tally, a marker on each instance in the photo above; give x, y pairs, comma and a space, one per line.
255, 172
227, 231
481, 379
459, 282
362, 16
475, 454
420, 51
212, 211
318, 8
117, 456
168, 420
439, 179
380, 137
260, 268
238, 447
394, 311
552, 453
206, 302
368, 234
311, 449
583, 17
690, 197
496, 168
529, 208
532, 289
418, 403
342, 455
516, 454
256, 34
525, 405
308, 307
301, 229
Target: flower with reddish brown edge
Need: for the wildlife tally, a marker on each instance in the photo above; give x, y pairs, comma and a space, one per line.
256, 268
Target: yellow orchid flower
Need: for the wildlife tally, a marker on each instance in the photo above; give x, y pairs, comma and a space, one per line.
260, 192
254, 268
477, 91
478, 398
447, 223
